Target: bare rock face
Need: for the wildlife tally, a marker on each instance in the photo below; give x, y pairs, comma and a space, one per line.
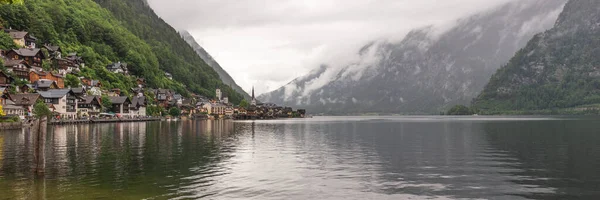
431, 69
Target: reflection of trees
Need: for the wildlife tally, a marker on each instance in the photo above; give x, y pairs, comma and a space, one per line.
554, 154
136, 160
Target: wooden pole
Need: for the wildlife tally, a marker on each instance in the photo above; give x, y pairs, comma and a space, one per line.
39, 131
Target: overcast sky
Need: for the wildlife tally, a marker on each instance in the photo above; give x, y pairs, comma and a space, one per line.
267, 43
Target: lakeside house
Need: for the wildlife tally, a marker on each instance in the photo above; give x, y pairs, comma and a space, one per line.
26, 101
90, 106
63, 101
137, 108
120, 105
48, 85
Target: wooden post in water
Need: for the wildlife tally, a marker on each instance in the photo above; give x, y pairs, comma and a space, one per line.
39, 156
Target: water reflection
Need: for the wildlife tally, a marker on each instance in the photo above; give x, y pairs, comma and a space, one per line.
331, 158
562, 155
129, 160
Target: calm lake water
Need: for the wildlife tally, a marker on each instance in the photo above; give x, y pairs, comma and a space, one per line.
319, 158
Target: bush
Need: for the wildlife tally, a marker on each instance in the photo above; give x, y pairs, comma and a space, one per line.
460, 110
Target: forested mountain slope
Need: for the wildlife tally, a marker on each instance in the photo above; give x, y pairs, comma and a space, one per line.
174, 54
225, 77
559, 68
103, 32
431, 69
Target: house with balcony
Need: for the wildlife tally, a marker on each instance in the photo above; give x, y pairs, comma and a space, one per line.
19, 68
120, 106
90, 106
62, 101
137, 108
21, 38
26, 101
33, 57
37, 75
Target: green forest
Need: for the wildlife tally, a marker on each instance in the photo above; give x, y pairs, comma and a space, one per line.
557, 72
105, 31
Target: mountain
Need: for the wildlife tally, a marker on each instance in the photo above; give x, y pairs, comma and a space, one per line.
174, 54
225, 77
107, 31
558, 69
429, 70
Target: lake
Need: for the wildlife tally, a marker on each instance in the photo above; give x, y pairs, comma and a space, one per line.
417, 157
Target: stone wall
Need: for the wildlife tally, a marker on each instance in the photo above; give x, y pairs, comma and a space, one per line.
11, 125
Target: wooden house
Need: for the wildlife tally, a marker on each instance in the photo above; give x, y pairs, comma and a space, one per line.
33, 57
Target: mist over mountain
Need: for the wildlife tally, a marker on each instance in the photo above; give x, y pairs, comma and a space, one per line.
210, 61
429, 70
558, 68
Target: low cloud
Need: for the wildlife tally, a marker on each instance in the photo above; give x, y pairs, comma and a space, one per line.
268, 43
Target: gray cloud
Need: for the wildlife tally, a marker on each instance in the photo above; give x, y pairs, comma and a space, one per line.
267, 43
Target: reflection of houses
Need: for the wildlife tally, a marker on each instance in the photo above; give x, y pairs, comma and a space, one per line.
33, 57
90, 106
120, 105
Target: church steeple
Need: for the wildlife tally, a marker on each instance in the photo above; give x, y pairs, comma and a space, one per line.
253, 102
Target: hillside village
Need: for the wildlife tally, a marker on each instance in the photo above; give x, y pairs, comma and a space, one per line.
45, 73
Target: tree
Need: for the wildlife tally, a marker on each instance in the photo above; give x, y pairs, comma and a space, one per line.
106, 103
460, 110
11, 2
40, 109
244, 103
72, 81
6, 42
175, 112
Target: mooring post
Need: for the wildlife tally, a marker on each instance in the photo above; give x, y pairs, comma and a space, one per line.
39, 131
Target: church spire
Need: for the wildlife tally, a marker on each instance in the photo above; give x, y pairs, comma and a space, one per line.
253, 101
